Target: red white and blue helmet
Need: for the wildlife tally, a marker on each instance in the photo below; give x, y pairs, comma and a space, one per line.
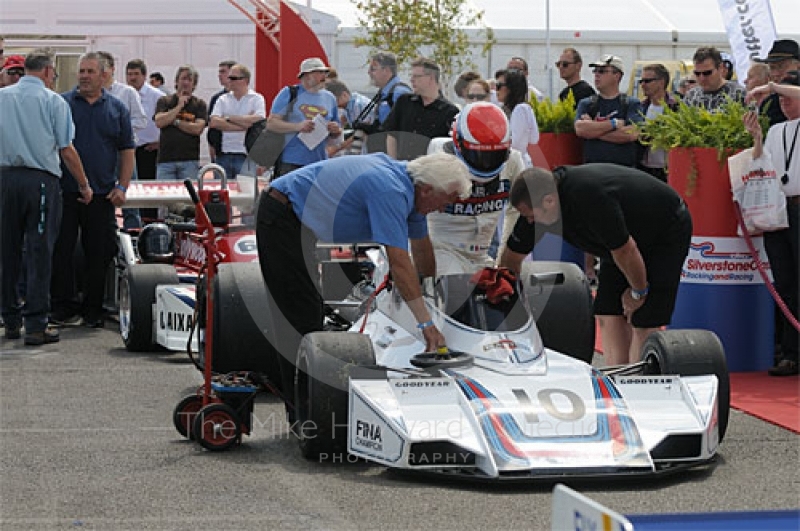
482, 139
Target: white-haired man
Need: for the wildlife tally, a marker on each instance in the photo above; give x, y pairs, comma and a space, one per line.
363, 198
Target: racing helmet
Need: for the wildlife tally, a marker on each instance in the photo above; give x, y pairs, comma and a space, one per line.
482, 139
155, 244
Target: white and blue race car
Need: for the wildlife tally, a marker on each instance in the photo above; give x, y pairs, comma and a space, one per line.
503, 403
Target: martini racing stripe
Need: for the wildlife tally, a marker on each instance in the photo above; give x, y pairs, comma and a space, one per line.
505, 435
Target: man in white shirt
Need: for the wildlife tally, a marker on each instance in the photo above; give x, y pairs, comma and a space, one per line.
147, 138
233, 114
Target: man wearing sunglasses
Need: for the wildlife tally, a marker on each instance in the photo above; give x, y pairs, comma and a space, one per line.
654, 83
712, 90
605, 121
569, 68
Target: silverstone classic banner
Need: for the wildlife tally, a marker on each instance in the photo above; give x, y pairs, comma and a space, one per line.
720, 261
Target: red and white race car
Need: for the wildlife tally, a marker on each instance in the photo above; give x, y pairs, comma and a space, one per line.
156, 282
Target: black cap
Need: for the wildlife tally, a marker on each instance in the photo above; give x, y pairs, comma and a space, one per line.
781, 50
792, 77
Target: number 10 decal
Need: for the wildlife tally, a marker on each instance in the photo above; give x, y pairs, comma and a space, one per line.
545, 399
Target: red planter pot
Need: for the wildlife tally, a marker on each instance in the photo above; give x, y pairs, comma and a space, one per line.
556, 149
703, 181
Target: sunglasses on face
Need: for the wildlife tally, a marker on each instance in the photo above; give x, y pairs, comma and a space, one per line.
645, 81
601, 71
500, 85
563, 64
704, 73
15, 72
477, 96
235, 78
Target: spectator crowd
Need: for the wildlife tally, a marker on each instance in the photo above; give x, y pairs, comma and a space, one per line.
65, 174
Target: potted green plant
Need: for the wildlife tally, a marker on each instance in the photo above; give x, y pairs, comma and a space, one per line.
558, 144
699, 143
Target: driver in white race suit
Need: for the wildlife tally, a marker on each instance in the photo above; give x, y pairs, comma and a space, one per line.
462, 233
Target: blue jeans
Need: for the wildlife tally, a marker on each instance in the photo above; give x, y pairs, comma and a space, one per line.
131, 219
231, 163
177, 171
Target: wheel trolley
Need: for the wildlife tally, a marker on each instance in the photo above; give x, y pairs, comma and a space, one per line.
220, 412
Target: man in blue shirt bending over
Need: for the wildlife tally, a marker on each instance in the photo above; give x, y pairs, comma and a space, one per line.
363, 198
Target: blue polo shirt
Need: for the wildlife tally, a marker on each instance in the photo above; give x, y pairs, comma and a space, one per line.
384, 108
37, 124
102, 130
361, 198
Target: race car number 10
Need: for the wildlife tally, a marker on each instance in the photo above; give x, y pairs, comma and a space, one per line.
576, 410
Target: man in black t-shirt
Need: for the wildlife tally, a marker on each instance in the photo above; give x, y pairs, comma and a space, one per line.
569, 69
638, 226
418, 117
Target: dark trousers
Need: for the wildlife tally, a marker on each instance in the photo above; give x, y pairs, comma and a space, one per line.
286, 253
782, 251
282, 168
146, 163
30, 204
96, 224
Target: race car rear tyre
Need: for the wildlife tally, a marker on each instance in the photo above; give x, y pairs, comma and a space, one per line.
325, 362
241, 321
137, 294
217, 427
691, 353
562, 306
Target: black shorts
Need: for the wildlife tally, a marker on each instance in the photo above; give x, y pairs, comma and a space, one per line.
663, 261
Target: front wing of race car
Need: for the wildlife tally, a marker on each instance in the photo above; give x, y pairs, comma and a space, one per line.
574, 422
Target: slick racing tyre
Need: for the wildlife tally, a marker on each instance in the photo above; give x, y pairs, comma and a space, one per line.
325, 362
561, 303
137, 295
241, 321
691, 353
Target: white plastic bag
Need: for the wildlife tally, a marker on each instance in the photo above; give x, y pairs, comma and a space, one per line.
756, 187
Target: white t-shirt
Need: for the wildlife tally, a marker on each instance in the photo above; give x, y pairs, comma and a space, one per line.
524, 130
774, 145
228, 105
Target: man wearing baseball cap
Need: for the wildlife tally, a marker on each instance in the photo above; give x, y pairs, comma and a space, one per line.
13, 70
605, 120
295, 110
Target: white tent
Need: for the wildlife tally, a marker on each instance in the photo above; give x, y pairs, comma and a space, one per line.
203, 32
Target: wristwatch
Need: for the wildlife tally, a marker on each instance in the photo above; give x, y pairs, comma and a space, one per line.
639, 294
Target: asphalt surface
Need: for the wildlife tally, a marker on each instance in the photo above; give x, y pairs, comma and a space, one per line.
87, 442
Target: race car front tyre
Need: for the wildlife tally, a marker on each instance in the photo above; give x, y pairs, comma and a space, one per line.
325, 362
560, 300
691, 353
137, 294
